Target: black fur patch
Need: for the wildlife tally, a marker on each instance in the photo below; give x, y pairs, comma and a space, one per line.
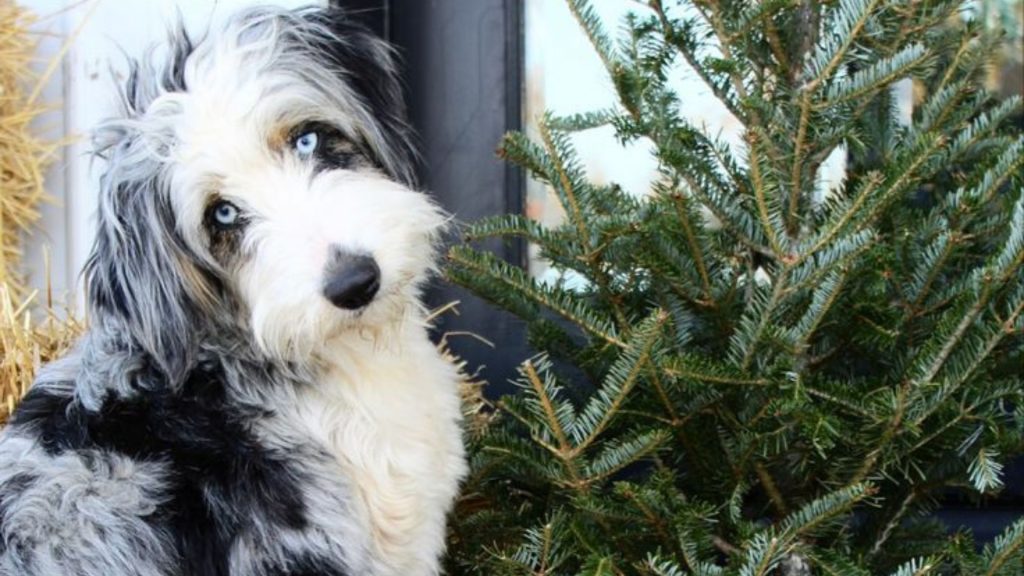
307, 566
222, 475
357, 58
54, 420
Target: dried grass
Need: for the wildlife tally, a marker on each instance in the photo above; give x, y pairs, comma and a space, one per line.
478, 412
28, 337
23, 155
476, 408
26, 344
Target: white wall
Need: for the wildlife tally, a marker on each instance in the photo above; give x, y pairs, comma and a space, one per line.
97, 35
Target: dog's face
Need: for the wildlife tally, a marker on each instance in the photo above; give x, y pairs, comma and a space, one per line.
269, 176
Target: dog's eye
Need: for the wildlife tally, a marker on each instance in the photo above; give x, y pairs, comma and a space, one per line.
225, 214
306, 144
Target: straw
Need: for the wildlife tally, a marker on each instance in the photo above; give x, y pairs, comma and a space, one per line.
26, 344
31, 332
23, 155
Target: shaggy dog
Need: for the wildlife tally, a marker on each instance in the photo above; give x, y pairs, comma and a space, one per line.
257, 393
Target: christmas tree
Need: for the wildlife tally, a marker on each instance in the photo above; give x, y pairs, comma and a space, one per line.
748, 374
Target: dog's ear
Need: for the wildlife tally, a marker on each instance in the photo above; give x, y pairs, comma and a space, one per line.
140, 280
370, 66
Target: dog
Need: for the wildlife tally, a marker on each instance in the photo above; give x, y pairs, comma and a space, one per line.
257, 393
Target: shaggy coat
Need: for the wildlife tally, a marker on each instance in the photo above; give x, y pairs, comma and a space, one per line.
257, 394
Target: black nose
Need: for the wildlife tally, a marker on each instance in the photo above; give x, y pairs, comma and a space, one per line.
352, 280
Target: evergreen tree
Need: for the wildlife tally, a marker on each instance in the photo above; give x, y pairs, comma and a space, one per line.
756, 377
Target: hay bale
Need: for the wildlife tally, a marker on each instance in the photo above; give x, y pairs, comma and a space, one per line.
27, 344
28, 337
23, 155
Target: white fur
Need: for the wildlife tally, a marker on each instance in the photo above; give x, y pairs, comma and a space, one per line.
387, 413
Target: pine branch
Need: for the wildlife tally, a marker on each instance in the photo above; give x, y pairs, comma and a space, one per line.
684, 40
762, 556
567, 177
933, 113
541, 554
662, 567
769, 485
591, 25
721, 203
622, 452
796, 171
892, 523
767, 211
809, 518
824, 297
709, 10
1004, 267
835, 226
622, 377
566, 182
673, 415
919, 567
985, 471
833, 564
996, 336
1007, 166
511, 282
851, 16
1006, 548
841, 253
970, 56
880, 75
584, 121
696, 252
544, 392
700, 370
979, 129
905, 175
891, 429
754, 324
936, 255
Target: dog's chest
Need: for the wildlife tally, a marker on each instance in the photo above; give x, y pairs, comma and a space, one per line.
391, 419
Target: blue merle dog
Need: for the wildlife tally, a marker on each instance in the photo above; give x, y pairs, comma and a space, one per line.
256, 394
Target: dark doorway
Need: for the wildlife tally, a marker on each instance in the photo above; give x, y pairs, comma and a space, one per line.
463, 75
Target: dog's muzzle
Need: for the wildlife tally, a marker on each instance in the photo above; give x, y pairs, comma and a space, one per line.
351, 280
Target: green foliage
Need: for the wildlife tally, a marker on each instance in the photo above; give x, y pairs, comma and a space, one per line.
750, 375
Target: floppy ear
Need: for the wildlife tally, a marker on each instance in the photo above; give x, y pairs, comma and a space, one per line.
139, 277
143, 285
369, 65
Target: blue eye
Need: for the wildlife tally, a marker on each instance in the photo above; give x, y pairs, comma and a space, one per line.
306, 144
226, 214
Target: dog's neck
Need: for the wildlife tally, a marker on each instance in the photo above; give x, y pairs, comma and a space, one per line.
106, 363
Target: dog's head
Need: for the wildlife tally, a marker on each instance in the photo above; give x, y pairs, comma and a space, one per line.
262, 177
